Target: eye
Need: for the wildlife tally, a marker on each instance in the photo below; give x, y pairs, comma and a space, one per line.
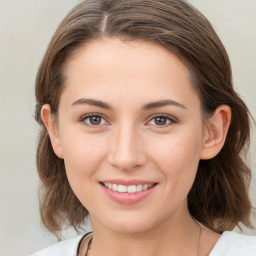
162, 120
93, 120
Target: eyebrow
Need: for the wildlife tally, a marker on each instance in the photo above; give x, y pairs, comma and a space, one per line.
92, 102
162, 103
104, 105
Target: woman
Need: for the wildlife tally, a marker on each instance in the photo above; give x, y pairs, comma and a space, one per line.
142, 129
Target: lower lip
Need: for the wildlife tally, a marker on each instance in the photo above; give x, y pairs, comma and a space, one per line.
128, 198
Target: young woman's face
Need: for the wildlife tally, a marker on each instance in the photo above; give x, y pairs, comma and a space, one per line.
129, 119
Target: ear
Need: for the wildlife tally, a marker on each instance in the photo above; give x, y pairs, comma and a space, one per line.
215, 132
52, 129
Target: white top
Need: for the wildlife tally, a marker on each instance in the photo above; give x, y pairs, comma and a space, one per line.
229, 244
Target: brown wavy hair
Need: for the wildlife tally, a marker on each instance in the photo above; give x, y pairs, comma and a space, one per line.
219, 196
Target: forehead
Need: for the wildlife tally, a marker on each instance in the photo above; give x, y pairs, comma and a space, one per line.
129, 69
108, 52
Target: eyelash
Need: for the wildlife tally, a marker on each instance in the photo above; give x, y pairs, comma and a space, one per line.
171, 120
83, 120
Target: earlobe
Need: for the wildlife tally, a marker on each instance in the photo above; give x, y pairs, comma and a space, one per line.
51, 127
215, 132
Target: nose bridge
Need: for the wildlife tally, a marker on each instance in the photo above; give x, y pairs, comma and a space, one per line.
126, 151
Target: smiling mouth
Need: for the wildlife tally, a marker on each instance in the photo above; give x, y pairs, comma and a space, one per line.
128, 189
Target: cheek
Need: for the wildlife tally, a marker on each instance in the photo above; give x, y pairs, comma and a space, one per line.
81, 150
177, 157
82, 156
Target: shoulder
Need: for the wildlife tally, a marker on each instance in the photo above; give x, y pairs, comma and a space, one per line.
233, 244
63, 248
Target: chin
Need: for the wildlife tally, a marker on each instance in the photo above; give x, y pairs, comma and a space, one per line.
130, 223
132, 227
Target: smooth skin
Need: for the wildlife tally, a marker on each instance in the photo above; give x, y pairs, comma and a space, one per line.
130, 111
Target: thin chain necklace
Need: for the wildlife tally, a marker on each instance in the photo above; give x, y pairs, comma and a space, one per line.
199, 239
88, 246
198, 245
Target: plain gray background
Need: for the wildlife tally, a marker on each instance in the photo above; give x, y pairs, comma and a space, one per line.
25, 30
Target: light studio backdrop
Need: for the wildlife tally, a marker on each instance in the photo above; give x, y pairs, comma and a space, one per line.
25, 30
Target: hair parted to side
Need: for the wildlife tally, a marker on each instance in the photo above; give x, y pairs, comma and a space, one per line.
219, 196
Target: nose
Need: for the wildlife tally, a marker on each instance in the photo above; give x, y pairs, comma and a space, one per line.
126, 149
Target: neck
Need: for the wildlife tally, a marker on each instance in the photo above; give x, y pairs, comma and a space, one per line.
177, 236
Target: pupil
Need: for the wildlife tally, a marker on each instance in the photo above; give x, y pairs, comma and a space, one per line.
160, 120
96, 120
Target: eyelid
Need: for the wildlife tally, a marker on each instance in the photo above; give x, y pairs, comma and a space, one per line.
82, 119
172, 119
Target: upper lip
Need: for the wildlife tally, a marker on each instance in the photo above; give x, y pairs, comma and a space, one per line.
128, 182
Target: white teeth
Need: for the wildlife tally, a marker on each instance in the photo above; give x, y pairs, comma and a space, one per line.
145, 186
131, 189
139, 188
114, 187
122, 188
128, 189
